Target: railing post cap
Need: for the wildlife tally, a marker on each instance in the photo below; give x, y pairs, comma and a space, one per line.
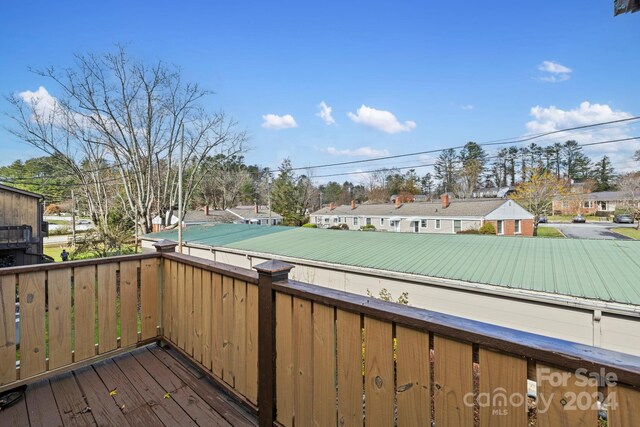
273, 266
165, 245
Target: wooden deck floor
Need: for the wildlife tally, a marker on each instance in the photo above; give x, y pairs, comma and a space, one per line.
149, 386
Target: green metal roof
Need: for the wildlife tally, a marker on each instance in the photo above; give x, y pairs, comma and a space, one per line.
606, 270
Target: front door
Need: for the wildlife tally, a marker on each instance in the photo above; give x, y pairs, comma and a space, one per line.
416, 226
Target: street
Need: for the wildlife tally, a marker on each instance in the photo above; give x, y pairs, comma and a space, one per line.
590, 230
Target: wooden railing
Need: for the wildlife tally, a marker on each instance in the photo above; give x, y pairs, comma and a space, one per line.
74, 313
299, 354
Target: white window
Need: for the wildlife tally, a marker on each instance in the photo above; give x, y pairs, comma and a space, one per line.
588, 204
437, 224
336, 220
368, 221
326, 220
457, 225
423, 223
500, 226
355, 220
381, 221
517, 227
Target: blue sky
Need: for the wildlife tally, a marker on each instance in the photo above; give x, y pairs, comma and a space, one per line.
398, 76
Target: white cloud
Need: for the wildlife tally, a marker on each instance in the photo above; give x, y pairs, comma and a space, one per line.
467, 107
552, 118
325, 113
273, 121
380, 120
555, 72
42, 102
362, 152
554, 67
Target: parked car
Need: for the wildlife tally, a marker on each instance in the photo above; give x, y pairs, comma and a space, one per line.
542, 219
579, 218
623, 219
84, 222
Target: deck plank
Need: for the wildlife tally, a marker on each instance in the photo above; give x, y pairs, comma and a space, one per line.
41, 405
73, 409
208, 392
132, 405
187, 398
15, 415
165, 408
139, 380
104, 409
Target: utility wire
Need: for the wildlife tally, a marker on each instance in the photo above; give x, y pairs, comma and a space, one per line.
432, 164
489, 143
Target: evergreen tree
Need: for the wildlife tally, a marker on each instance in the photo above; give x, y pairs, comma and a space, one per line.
284, 195
577, 164
603, 174
446, 169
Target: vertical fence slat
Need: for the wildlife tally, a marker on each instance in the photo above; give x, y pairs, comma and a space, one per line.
180, 315
8, 335
559, 399
149, 297
378, 364
324, 366
206, 318
284, 360
240, 335
217, 340
197, 314
252, 343
84, 306
453, 381
413, 377
502, 375
166, 298
175, 307
349, 350
59, 298
624, 406
188, 309
302, 362
228, 347
128, 303
107, 311
32, 324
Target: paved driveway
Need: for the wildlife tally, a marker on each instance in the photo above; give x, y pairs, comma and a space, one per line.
590, 230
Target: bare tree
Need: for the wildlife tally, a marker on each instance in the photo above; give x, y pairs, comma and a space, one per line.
117, 115
629, 184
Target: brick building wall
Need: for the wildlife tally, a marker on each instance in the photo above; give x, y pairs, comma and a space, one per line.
509, 227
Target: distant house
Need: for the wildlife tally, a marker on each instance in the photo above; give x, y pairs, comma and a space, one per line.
21, 227
444, 216
258, 215
597, 203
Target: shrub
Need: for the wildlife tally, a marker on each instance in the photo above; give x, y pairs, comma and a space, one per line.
469, 231
368, 227
343, 227
52, 210
487, 228
310, 225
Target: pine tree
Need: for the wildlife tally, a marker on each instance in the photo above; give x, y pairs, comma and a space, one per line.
446, 169
284, 195
604, 174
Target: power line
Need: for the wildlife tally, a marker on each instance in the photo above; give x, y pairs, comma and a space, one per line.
432, 164
489, 143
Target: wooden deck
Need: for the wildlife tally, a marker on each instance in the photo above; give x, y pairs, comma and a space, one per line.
149, 386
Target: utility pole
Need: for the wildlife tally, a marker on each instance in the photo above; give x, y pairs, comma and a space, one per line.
73, 219
180, 193
269, 195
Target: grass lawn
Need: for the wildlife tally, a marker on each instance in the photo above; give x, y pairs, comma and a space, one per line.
629, 232
54, 251
569, 218
549, 232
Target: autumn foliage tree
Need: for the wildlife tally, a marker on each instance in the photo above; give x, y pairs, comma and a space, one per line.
536, 195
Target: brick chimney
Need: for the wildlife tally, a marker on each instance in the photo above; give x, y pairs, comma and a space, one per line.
332, 206
445, 200
398, 203
206, 210
353, 204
